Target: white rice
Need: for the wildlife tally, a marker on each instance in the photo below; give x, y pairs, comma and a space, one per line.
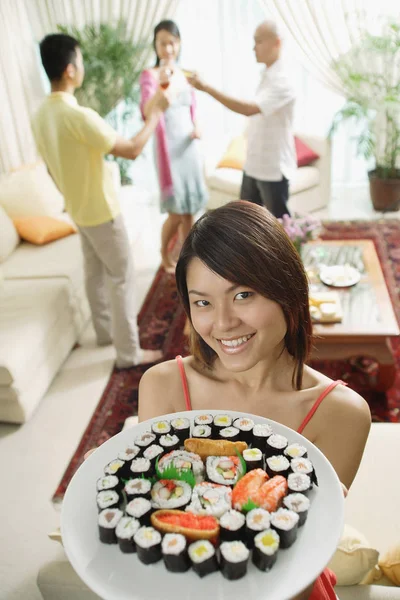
153, 451
145, 439
232, 520
109, 518
251, 454
138, 486
243, 424
234, 552
299, 482
161, 427
173, 543
201, 551
180, 423
297, 502
267, 541
106, 498
164, 497
106, 483
127, 527
277, 441
284, 519
295, 450
222, 421
201, 431
229, 432
203, 420
140, 465
129, 453
138, 507
114, 466
169, 440
146, 537
301, 465
213, 463
210, 499
258, 519
278, 463
262, 430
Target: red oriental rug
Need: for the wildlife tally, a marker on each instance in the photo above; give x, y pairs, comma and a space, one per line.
161, 321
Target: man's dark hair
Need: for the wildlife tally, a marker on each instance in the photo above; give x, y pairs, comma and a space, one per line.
57, 51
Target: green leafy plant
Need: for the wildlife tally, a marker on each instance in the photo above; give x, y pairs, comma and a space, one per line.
172, 472
250, 505
370, 74
112, 72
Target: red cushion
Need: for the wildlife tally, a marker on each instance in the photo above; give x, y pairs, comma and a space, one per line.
305, 155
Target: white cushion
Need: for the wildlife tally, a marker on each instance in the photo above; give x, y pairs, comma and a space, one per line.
9, 238
304, 179
30, 191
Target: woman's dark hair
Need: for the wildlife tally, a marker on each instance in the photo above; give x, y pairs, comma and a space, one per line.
166, 25
57, 51
243, 243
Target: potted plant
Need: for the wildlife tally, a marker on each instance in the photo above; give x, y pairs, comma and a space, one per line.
370, 74
111, 79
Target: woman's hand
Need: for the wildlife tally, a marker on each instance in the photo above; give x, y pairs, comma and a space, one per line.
197, 82
88, 453
195, 135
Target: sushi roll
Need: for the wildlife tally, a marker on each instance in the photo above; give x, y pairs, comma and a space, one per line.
203, 557
202, 431
277, 465
298, 503
253, 458
229, 433
285, 522
175, 553
137, 488
232, 526
275, 444
141, 466
225, 470
152, 453
260, 435
107, 499
203, 420
160, 428
182, 460
299, 483
210, 499
295, 451
115, 467
181, 428
127, 455
257, 520
220, 422
171, 493
169, 442
266, 546
108, 520
141, 509
148, 545
126, 529
109, 482
144, 440
234, 559
245, 427
305, 466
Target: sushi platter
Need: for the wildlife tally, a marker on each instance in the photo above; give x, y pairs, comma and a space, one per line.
189, 503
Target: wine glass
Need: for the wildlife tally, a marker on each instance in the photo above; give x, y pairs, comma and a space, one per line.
165, 73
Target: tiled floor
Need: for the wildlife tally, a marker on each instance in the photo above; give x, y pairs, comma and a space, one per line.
34, 456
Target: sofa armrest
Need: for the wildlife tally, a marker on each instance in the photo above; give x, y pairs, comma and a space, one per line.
367, 592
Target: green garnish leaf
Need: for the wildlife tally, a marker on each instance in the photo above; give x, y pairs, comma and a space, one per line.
172, 472
250, 505
242, 462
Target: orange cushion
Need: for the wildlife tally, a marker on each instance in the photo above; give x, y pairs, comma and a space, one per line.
235, 154
42, 229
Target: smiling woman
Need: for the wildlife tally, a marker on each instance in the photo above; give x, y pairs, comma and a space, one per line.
245, 293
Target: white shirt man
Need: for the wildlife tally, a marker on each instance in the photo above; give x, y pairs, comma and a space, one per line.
271, 155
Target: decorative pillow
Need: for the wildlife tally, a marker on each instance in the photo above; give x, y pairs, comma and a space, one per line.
42, 230
354, 558
390, 564
9, 238
235, 154
30, 191
305, 155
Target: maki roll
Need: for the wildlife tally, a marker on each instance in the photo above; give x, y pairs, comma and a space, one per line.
229, 433
295, 451
141, 466
232, 526
114, 467
257, 520
275, 444
153, 452
126, 529
266, 546
210, 499
148, 545
107, 499
204, 420
182, 460
141, 509
174, 553
171, 493
220, 422
299, 482
202, 431
181, 428
144, 440
305, 466
253, 458
108, 520
277, 465
234, 558
169, 442
109, 482
285, 522
203, 557
299, 504
225, 470
245, 427
137, 488
160, 428
260, 435
127, 456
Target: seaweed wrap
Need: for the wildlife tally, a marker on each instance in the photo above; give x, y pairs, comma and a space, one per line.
107, 499
108, 520
266, 546
275, 444
181, 428
234, 559
245, 427
137, 488
141, 509
126, 529
148, 545
203, 557
261, 433
277, 465
285, 522
175, 553
257, 520
298, 503
253, 458
232, 526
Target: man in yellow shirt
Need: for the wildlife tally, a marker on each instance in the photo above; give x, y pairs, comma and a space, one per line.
73, 141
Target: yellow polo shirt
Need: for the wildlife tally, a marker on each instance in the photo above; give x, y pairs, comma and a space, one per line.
73, 140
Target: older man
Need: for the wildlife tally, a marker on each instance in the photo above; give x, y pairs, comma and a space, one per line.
271, 155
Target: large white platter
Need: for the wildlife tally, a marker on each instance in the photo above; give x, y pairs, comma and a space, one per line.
117, 576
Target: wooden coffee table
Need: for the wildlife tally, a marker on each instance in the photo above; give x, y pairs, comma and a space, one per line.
368, 319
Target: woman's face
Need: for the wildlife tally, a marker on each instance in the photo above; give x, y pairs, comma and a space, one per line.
167, 46
239, 324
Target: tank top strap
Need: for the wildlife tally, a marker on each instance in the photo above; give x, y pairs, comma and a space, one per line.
318, 401
185, 386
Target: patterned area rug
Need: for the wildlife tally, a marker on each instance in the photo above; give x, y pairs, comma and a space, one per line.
161, 321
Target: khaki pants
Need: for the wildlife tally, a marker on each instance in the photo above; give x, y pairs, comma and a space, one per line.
110, 288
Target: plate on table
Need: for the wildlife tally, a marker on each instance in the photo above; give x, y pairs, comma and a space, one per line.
339, 275
117, 576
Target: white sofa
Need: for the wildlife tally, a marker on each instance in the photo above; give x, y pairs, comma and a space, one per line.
309, 191
371, 507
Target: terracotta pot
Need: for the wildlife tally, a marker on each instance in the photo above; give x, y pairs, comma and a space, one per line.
385, 193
